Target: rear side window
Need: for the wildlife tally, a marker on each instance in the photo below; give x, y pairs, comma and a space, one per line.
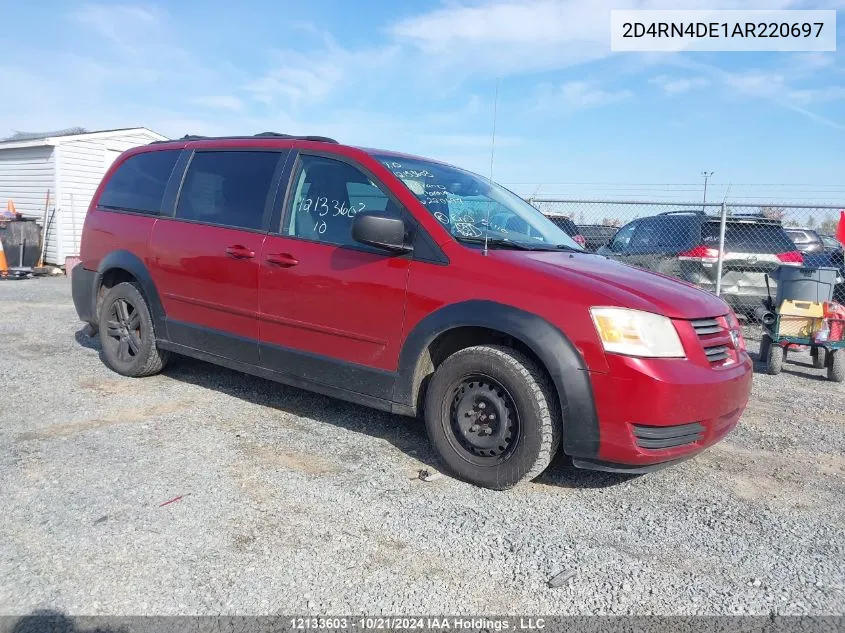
801, 237
623, 237
663, 234
139, 183
228, 188
748, 237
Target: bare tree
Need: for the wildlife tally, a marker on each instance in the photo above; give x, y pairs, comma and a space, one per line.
773, 213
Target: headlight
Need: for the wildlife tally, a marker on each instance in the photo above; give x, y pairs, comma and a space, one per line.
636, 333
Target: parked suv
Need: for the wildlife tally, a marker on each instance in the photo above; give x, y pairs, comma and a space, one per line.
372, 276
685, 244
568, 226
805, 240
831, 243
596, 235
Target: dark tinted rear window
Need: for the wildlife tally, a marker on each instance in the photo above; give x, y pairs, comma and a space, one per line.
748, 237
139, 183
228, 188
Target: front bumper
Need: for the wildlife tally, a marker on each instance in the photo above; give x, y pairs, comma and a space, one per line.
639, 393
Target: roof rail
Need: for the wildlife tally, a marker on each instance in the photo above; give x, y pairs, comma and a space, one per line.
196, 137
684, 212
755, 216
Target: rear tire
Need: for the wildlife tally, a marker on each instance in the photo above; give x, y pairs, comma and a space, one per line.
819, 356
492, 416
127, 335
836, 366
774, 365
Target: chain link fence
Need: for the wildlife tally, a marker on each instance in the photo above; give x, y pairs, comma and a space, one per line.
728, 249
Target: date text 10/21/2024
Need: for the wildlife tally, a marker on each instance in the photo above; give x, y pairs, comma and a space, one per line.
421, 623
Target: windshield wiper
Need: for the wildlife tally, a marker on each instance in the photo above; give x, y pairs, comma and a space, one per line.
567, 247
499, 241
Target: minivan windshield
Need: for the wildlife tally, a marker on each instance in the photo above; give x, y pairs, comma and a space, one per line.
473, 209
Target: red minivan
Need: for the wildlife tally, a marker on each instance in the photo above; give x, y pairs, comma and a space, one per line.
411, 286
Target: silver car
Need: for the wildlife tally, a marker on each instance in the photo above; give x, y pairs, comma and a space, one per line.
686, 245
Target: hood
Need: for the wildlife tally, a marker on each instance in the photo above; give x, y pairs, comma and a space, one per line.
625, 286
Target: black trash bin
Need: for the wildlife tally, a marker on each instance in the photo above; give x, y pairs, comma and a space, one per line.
21, 242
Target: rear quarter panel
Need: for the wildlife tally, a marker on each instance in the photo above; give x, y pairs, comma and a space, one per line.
107, 231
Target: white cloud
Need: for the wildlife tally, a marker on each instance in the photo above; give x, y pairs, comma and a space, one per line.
118, 22
756, 82
124, 61
776, 87
297, 78
678, 85
505, 37
807, 96
220, 102
577, 95
473, 140
501, 37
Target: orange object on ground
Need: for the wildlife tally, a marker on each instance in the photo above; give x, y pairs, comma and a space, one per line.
4, 265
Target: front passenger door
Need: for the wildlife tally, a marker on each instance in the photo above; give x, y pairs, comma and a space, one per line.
332, 308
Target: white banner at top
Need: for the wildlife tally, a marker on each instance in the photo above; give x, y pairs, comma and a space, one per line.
722, 30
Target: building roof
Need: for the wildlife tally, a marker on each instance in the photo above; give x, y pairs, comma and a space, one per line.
36, 139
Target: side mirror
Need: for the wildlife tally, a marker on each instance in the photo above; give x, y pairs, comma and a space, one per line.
381, 231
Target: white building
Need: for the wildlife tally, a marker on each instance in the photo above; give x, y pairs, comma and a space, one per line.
68, 167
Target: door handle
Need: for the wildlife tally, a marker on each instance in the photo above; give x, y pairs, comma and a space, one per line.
239, 252
285, 260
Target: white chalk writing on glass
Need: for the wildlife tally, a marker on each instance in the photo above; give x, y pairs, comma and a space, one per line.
322, 206
467, 230
413, 173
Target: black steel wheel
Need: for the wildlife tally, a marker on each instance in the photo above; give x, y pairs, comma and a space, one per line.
492, 415
484, 419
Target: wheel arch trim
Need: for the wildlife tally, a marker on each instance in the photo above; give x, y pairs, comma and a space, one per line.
131, 263
558, 355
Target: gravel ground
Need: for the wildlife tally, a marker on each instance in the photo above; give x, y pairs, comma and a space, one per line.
284, 501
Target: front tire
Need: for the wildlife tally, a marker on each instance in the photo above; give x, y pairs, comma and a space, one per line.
492, 416
127, 335
819, 356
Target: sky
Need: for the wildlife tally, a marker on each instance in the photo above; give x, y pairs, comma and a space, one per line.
422, 77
